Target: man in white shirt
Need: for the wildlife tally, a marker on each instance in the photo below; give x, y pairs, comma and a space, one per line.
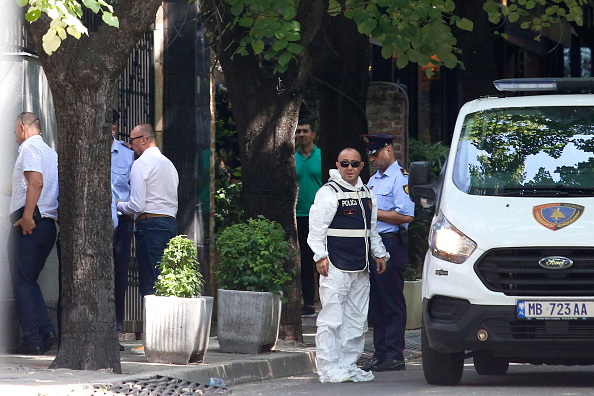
34, 211
153, 202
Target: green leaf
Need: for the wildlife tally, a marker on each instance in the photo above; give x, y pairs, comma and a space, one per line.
258, 46
270, 54
294, 48
293, 36
246, 22
465, 24
32, 15
93, 5
285, 58
289, 13
73, 32
110, 19
22, 3
237, 9
280, 45
51, 42
61, 33
334, 8
401, 61
450, 61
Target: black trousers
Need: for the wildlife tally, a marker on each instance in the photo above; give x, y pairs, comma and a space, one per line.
387, 308
308, 283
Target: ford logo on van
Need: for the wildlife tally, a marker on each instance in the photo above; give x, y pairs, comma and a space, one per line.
555, 262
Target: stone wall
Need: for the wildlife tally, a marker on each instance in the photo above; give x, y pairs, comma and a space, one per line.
387, 114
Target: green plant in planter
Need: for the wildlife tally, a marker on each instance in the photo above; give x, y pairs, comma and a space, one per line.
179, 275
252, 256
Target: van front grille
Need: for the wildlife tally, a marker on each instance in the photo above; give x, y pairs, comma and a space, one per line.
516, 272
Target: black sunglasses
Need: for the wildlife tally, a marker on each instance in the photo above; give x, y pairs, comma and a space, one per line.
345, 164
136, 137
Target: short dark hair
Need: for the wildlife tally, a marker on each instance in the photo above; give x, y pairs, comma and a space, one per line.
306, 121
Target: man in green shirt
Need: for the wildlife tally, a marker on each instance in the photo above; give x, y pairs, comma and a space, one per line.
308, 161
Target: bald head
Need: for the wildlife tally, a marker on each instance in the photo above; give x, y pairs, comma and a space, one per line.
146, 130
351, 151
142, 137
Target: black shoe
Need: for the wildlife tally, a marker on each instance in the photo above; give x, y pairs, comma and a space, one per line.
370, 365
49, 340
308, 311
390, 365
121, 347
27, 349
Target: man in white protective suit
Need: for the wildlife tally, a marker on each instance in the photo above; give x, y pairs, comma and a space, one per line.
343, 236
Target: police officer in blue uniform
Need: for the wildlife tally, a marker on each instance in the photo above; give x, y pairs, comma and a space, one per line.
387, 308
122, 158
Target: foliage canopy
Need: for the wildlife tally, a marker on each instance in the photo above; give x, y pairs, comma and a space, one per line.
410, 31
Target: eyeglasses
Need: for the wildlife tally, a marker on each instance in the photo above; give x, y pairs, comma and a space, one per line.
136, 137
345, 164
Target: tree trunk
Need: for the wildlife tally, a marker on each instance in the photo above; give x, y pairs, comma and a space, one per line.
341, 73
266, 110
81, 75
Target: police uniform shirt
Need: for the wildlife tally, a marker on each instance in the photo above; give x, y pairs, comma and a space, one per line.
391, 190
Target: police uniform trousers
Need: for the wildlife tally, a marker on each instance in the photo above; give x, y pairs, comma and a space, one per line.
341, 324
387, 308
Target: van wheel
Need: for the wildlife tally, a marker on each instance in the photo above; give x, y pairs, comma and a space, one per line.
488, 365
440, 368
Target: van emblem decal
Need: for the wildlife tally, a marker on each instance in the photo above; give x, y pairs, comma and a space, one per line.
555, 262
555, 216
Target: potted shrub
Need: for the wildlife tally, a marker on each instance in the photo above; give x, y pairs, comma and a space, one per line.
251, 278
177, 318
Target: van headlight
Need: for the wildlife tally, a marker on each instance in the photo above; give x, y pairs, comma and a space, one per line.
449, 244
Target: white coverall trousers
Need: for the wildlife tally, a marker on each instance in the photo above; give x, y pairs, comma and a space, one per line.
341, 325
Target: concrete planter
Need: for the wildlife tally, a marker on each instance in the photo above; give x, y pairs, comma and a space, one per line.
176, 329
247, 322
414, 304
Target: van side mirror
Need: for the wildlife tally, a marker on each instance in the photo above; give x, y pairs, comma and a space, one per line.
419, 183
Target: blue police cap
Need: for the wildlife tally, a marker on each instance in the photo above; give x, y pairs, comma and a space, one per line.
376, 142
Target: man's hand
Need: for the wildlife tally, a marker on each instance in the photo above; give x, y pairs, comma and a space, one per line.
322, 266
380, 265
27, 224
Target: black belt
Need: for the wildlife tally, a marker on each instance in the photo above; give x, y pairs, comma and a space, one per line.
389, 235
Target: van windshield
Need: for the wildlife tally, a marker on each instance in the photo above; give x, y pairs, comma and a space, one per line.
529, 151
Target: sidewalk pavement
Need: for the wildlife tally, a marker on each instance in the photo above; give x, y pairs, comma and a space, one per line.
24, 375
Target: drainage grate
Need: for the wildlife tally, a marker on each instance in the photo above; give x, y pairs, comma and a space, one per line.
159, 386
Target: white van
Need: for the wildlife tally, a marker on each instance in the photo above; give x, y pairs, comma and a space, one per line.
509, 275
